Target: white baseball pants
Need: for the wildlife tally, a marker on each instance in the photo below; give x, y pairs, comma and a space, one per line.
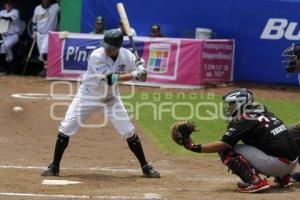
113, 112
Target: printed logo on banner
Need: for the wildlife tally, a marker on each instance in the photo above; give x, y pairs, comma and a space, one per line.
159, 57
277, 28
76, 52
162, 61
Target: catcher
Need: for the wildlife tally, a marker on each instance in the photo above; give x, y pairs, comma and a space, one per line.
292, 65
268, 148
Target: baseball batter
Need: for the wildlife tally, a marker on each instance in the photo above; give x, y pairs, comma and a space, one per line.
11, 37
267, 147
45, 19
99, 91
292, 65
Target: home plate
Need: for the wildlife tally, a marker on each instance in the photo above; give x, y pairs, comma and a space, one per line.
59, 182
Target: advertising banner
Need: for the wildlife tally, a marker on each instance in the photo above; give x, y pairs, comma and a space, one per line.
185, 62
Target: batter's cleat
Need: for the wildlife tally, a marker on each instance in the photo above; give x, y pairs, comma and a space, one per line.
295, 177
284, 182
51, 170
261, 185
149, 172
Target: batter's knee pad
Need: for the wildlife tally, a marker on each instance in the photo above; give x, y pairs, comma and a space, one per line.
238, 165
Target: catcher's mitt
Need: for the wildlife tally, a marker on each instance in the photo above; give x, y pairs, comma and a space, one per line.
181, 131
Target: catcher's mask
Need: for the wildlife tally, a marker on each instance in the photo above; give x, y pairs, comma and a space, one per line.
290, 56
235, 102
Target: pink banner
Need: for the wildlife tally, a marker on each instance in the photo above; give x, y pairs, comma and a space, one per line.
169, 61
217, 58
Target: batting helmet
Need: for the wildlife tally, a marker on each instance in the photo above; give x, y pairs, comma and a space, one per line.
291, 55
113, 39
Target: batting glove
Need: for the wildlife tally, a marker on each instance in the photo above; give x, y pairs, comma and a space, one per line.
140, 73
140, 62
111, 78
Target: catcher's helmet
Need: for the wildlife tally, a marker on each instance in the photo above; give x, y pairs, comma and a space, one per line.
235, 102
113, 39
291, 55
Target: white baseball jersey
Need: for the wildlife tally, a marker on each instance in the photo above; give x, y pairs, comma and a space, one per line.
100, 64
46, 19
95, 95
14, 25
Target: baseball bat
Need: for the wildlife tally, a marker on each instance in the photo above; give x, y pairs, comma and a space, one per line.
125, 22
29, 55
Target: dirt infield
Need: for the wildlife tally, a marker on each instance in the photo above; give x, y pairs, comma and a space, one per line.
100, 160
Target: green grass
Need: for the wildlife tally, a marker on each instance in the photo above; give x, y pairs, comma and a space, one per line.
157, 124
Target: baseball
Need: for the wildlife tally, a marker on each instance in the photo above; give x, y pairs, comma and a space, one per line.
17, 109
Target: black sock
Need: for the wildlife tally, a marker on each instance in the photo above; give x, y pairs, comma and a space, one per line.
136, 147
61, 144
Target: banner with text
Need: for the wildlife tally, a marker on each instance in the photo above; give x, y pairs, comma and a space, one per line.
185, 62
